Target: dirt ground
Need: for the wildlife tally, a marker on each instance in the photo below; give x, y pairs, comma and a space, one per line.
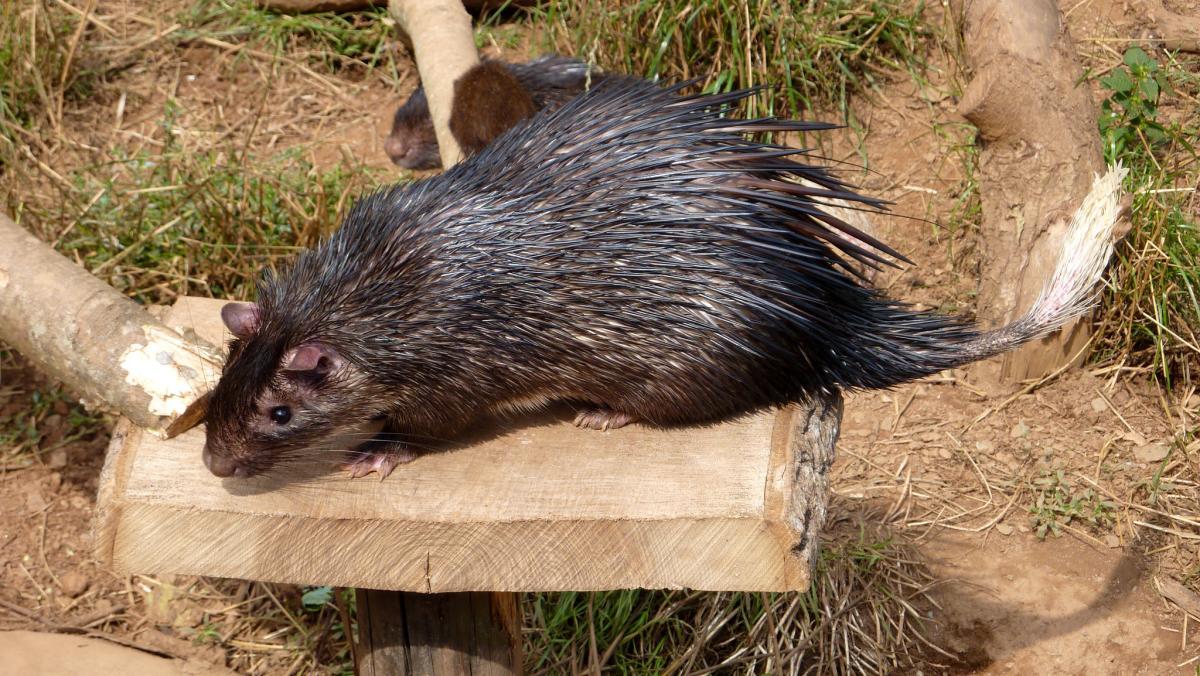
953, 464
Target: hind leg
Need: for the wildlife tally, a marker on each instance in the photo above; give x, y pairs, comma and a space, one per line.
602, 418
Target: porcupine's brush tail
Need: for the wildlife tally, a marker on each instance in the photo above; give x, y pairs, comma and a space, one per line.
914, 344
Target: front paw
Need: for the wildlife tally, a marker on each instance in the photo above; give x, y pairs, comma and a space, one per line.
381, 458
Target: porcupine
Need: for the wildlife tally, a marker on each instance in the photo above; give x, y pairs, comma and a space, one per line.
488, 99
634, 251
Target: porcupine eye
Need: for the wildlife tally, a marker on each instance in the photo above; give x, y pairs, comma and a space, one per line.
281, 415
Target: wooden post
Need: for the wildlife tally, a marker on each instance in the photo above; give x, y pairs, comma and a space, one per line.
444, 47
409, 633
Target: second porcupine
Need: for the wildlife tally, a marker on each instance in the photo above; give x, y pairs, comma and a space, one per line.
633, 251
546, 82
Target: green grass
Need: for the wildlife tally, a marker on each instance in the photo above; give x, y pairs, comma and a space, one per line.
357, 41
1152, 309
180, 222
35, 76
810, 54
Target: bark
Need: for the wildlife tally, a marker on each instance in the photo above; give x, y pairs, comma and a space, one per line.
1174, 31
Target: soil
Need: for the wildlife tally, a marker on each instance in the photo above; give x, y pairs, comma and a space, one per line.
953, 463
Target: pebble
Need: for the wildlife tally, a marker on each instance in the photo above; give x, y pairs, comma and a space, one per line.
1098, 405
1151, 452
57, 459
34, 502
74, 583
1134, 438
1019, 430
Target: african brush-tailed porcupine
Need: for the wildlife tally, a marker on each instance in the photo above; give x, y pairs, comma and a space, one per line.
488, 99
633, 250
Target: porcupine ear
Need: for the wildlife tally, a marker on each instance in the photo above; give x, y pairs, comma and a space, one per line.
312, 357
242, 319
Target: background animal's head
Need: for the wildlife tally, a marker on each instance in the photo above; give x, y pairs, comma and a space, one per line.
412, 143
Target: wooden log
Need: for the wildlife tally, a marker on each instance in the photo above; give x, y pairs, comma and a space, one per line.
104, 347
1040, 152
475, 633
536, 505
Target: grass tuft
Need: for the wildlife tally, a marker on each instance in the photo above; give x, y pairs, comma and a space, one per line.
1152, 309
343, 43
863, 614
810, 54
203, 223
39, 73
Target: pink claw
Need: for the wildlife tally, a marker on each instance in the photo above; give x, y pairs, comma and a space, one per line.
603, 419
378, 461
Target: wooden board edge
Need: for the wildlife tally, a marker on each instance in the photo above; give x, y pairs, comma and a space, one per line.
111, 488
670, 553
777, 495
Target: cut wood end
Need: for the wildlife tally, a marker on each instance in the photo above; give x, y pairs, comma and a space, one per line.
172, 371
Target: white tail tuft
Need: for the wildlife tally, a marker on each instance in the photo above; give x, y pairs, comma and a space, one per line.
1087, 247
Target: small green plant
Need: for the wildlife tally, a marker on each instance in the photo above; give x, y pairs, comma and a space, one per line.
207, 633
1057, 505
1131, 111
1152, 308
315, 598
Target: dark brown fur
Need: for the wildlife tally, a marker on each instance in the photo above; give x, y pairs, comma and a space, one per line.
488, 101
634, 252
546, 82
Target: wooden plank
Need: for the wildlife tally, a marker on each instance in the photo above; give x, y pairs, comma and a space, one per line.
535, 505
475, 633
